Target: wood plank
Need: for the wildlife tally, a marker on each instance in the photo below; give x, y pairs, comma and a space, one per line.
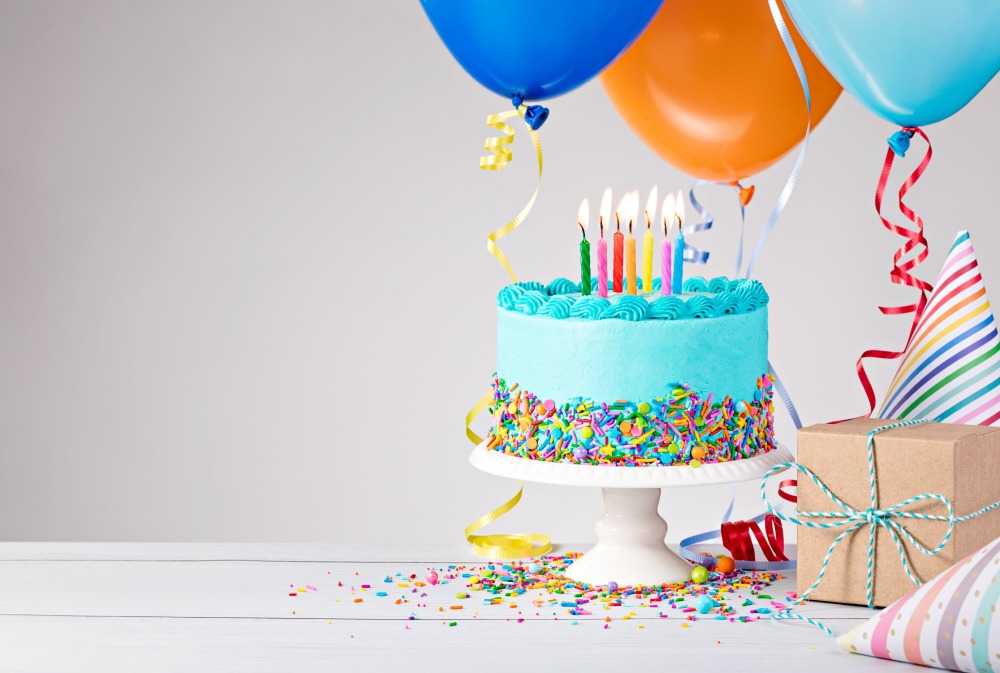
273, 552
110, 645
261, 589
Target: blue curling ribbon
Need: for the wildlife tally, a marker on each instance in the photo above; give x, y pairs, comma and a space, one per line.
691, 253
783, 395
534, 115
779, 387
786, 193
708, 220
900, 142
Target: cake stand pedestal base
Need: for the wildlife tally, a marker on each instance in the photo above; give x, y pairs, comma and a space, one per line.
630, 546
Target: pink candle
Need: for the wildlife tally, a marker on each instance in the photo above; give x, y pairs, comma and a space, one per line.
666, 266
602, 264
667, 251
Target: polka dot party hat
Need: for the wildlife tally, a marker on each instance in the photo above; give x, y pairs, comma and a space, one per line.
949, 622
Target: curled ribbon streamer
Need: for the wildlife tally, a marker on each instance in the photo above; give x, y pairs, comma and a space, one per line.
736, 535
736, 539
783, 395
477, 409
872, 517
505, 546
510, 546
708, 220
793, 178
751, 563
901, 271
500, 156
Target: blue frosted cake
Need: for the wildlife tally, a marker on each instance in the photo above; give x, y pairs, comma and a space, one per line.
633, 380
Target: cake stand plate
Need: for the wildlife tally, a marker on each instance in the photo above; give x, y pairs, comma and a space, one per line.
630, 546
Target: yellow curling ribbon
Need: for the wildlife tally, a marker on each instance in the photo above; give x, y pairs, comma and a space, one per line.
519, 545
509, 546
506, 546
501, 155
477, 409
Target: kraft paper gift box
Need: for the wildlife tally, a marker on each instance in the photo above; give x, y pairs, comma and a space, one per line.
960, 462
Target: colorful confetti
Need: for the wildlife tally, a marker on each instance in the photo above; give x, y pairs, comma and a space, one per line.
537, 585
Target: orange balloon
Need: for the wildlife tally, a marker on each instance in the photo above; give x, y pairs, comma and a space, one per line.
710, 87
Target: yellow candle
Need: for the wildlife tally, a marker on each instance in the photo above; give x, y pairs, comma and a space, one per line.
647, 261
647, 242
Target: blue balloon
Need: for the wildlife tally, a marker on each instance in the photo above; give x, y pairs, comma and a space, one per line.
537, 49
913, 63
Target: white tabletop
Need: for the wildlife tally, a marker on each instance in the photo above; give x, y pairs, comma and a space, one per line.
226, 607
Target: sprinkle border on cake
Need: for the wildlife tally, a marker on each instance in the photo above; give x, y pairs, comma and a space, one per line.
679, 428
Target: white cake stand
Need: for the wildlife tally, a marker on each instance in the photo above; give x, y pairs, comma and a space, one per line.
630, 546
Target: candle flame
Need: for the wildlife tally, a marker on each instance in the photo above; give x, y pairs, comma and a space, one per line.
680, 208
651, 206
669, 212
605, 215
583, 216
632, 208
622, 211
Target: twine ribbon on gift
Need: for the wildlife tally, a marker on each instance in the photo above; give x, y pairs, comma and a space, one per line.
889, 518
914, 244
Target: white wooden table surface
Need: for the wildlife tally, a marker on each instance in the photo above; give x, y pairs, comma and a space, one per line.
108, 607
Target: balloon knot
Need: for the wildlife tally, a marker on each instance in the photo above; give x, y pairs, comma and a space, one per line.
535, 116
900, 141
746, 194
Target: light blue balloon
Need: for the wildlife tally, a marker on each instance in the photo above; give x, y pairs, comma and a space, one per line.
913, 62
537, 49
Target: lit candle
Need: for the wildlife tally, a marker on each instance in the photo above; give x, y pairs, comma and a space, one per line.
630, 280
619, 260
647, 243
581, 219
602, 245
666, 251
678, 280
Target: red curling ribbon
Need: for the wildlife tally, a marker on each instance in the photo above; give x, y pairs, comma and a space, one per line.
900, 273
738, 536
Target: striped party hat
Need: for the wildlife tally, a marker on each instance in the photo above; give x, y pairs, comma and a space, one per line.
950, 371
950, 622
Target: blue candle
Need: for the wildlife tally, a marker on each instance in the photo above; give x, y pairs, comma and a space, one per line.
678, 279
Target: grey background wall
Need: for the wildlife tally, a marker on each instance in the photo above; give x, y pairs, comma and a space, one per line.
244, 292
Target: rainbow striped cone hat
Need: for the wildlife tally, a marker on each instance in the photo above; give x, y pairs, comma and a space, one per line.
950, 371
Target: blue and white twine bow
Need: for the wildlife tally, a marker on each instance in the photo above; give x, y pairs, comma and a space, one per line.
889, 518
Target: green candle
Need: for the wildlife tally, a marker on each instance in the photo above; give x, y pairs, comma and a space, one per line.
581, 220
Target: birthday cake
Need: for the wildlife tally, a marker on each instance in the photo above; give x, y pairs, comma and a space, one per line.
633, 379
